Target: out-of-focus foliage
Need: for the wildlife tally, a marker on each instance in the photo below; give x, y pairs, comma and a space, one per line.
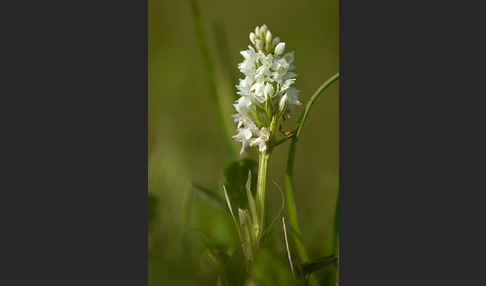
192, 239
235, 179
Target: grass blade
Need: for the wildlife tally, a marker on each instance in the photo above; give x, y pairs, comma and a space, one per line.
289, 181
313, 98
309, 267
251, 201
289, 189
231, 211
210, 195
287, 246
208, 65
224, 57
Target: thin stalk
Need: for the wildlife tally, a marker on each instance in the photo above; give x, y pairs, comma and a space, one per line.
289, 174
208, 64
311, 102
261, 185
287, 246
291, 206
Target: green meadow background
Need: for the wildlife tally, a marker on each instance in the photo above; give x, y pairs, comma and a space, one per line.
185, 142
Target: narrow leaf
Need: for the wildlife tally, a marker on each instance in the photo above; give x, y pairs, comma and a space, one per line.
287, 245
231, 211
211, 78
309, 267
210, 195
222, 46
235, 179
247, 242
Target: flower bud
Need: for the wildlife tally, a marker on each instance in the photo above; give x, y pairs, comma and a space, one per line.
252, 38
268, 91
280, 49
257, 31
263, 30
259, 44
283, 103
268, 40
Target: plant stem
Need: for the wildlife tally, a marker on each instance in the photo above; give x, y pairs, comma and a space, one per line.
261, 186
289, 185
291, 206
316, 95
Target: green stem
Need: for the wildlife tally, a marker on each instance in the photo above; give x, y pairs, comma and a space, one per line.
289, 184
311, 102
261, 186
291, 206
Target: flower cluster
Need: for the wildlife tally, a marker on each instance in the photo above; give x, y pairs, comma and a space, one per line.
267, 94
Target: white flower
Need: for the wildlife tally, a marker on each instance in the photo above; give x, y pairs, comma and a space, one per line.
287, 84
244, 86
263, 136
280, 48
266, 63
244, 135
266, 91
243, 104
257, 90
293, 97
247, 67
289, 57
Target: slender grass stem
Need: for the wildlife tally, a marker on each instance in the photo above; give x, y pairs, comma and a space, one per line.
311, 102
289, 256
289, 174
208, 64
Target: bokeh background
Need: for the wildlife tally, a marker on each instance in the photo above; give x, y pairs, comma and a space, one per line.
185, 143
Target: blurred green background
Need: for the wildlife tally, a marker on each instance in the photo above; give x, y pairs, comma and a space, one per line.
185, 144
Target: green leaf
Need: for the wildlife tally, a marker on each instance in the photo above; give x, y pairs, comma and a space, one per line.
218, 258
235, 179
270, 269
226, 64
307, 268
230, 208
247, 242
208, 64
226, 261
251, 201
210, 195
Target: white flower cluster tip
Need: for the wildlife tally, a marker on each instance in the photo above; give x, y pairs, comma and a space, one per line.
267, 94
